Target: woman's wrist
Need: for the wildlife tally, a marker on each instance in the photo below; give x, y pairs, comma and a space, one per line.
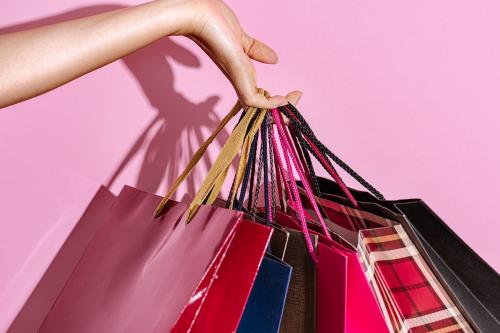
179, 17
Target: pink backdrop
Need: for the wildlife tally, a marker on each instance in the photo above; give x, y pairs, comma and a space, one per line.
405, 92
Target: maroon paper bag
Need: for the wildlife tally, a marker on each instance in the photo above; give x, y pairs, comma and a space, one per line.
345, 301
141, 274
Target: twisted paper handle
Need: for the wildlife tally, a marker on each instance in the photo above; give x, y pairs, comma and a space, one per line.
196, 157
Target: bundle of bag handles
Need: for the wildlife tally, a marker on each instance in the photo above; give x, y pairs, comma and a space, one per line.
283, 149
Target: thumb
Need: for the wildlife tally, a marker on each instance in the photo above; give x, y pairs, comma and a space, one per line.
294, 97
259, 51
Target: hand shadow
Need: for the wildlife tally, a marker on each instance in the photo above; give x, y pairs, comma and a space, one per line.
177, 117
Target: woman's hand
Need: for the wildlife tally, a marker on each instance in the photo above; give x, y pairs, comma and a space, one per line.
37, 60
216, 29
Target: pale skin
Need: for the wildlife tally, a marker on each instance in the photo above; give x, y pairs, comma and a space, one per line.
38, 60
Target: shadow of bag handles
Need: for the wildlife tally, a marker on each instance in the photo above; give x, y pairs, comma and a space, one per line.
196, 157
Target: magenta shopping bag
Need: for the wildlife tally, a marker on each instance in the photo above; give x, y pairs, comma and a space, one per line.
141, 274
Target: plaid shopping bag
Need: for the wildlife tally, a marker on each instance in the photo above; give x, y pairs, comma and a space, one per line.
409, 294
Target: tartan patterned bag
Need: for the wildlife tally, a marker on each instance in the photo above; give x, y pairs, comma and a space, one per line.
410, 296
455, 264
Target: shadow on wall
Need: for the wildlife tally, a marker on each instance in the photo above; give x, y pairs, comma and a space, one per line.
179, 123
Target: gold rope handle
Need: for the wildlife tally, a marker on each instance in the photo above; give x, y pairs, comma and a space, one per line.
226, 156
196, 157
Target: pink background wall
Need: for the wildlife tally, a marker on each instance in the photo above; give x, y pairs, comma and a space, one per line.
405, 92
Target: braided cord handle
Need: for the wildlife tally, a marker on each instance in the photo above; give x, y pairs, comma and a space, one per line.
291, 158
300, 125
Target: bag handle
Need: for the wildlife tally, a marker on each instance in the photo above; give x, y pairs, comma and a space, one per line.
213, 182
319, 149
247, 176
196, 157
245, 153
306, 143
306, 160
281, 130
291, 158
272, 196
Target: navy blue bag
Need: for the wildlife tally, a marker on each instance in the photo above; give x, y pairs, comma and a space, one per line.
266, 302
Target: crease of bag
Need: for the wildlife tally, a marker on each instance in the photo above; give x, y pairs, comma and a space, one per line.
171, 204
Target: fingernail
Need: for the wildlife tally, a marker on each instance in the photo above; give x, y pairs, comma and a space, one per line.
300, 96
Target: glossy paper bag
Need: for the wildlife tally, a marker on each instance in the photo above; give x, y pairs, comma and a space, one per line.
141, 274
264, 309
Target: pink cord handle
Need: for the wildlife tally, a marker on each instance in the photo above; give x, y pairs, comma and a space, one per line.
292, 202
280, 125
291, 157
332, 172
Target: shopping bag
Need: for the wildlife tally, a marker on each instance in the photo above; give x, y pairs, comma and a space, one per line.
394, 315
265, 305
173, 271
472, 282
414, 300
140, 274
223, 293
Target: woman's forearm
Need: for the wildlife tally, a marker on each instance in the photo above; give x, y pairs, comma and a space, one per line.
38, 60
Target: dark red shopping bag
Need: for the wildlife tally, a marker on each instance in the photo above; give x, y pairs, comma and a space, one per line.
141, 274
